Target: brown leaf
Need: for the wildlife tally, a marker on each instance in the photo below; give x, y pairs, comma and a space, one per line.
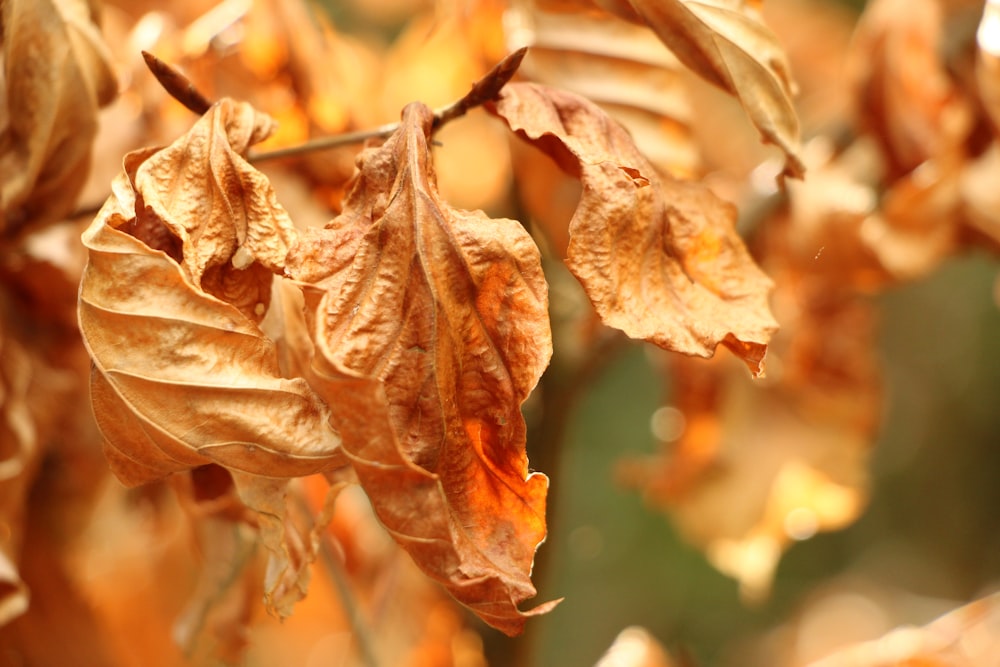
749, 469
431, 330
726, 43
183, 377
658, 257
621, 66
57, 74
904, 91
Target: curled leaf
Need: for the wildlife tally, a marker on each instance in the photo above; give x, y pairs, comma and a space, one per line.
431, 329
659, 258
57, 73
178, 277
726, 43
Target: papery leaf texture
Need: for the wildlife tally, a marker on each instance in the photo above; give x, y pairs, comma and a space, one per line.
57, 73
658, 257
431, 329
178, 277
727, 43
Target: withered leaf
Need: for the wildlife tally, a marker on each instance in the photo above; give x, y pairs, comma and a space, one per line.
179, 274
726, 43
57, 74
904, 91
622, 66
431, 329
659, 258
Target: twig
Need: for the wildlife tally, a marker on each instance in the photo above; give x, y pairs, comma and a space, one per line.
482, 91
366, 643
359, 627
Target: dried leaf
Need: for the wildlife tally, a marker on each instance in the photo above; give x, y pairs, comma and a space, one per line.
905, 94
966, 637
57, 74
183, 374
750, 469
431, 330
659, 258
726, 43
621, 66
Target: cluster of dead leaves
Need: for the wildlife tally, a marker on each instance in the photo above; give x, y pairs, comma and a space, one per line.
424, 327
240, 343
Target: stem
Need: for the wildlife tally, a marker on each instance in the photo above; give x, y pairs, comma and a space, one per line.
359, 627
485, 89
366, 643
324, 143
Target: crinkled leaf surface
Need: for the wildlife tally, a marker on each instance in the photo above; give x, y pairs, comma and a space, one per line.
183, 375
726, 43
431, 329
57, 74
659, 258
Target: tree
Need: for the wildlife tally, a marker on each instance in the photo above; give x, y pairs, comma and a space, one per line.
290, 334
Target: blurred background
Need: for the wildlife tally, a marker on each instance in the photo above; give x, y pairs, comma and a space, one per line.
740, 522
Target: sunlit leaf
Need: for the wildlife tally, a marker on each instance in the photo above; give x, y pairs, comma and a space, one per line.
726, 43
431, 330
659, 258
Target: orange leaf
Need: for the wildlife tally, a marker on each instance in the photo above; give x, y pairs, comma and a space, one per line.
658, 257
431, 329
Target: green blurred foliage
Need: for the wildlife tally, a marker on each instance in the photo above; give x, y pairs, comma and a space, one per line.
931, 528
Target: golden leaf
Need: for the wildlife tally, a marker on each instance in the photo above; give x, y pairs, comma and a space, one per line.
658, 257
431, 329
178, 278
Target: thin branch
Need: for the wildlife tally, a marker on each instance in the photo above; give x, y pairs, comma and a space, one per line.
359, 626
324, 143
482, 91
366, 643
